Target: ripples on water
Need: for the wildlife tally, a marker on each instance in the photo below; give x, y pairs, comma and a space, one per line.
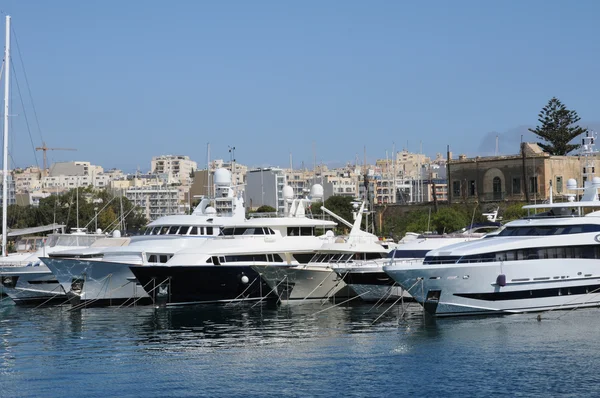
289, 351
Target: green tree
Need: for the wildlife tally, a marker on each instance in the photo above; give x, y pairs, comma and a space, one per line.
514, 212
448, 220
341, 206
266, 209
558, 128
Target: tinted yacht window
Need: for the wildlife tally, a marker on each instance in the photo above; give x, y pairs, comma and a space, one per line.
184, 230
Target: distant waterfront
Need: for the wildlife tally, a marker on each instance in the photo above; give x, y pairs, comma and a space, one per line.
234, 351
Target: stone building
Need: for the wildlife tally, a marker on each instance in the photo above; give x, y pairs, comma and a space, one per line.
513, 177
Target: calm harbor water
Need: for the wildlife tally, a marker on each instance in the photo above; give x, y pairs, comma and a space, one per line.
239, 351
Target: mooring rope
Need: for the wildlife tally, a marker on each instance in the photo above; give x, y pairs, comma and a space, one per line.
272, 290
233, 302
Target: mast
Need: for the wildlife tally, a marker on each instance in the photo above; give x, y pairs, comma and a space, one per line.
77, 203
5, 157
208, 170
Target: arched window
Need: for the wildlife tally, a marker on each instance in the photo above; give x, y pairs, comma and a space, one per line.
497, 188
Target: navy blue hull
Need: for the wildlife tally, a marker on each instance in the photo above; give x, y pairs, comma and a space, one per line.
180, 285
368, 278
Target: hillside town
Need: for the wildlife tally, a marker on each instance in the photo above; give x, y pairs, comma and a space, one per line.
174, 183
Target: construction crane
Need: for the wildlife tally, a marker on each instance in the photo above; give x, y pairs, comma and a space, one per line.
44, 148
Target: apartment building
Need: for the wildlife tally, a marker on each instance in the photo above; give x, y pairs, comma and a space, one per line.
264, 187
156, 201
179, 169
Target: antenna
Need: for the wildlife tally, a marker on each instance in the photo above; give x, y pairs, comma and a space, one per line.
232, 163
588, 152
496, 152
208, 169
314, 164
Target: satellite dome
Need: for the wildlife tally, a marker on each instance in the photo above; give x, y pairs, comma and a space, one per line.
316, 191
288, 193
116, 233
210, 211
596, 180
222, 177
571, 183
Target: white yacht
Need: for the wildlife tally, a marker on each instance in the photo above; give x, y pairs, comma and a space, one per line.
222, 270
34, 283
544, 262
101, 276
368, 279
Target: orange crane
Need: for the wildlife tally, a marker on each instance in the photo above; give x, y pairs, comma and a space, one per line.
44, 148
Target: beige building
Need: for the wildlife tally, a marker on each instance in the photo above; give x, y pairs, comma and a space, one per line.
74, 174
178, 168
27, 180
514, 177
406, 164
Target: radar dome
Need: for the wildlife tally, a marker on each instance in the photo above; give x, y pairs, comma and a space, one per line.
288, 193
210, 211
116, 233
222, 177
596, 180
316, 191
571, 183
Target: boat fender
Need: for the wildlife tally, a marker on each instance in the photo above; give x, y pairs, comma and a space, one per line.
245, 279
501, 280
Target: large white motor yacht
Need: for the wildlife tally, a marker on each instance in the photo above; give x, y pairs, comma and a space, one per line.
101, 276
547, 261
222, 270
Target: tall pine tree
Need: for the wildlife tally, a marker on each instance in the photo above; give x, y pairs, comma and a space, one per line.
557, 128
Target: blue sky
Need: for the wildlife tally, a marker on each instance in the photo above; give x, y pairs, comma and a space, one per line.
123, 81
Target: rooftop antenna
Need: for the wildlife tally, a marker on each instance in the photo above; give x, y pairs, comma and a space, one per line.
496, 152
314, 164
588, 152
232, 163
208, 169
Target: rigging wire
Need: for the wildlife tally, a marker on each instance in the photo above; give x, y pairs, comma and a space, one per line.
25, 114
28, 86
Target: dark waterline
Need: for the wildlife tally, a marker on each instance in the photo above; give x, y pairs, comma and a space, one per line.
239, 351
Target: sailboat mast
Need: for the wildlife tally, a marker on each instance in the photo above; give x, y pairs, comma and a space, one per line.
5, 157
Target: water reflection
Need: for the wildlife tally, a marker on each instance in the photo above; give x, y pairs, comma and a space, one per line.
227, 326
288, 350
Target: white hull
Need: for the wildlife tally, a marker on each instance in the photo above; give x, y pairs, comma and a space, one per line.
31, 285
303, 283
97, 282
531, 285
